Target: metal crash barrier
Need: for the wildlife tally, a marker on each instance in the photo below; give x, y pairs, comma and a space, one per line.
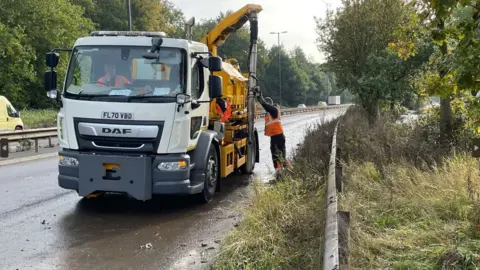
49, 133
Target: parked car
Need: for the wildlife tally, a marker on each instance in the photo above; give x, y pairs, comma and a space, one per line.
322, 104
9, 117
301, 106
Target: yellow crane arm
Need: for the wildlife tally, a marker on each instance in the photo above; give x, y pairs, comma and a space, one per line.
228, 25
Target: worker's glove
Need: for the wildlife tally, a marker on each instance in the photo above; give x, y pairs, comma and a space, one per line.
257, 92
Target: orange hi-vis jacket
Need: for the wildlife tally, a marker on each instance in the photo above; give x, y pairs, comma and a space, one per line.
119, 81
224, 115
273, 126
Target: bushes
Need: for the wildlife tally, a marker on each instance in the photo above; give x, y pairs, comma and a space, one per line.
387, 142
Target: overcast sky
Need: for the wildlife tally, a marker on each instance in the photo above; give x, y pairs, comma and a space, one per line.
295, 16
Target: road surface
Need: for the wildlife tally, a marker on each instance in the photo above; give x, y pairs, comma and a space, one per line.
45, 227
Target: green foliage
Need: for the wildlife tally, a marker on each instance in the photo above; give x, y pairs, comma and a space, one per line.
26, 34
51, 24
302, 80
355, 39
39, 118
454, 67
18, 71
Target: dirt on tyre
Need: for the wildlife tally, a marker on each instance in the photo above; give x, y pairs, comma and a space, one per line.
212, 173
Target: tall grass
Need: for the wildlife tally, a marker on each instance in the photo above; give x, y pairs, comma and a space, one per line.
39, 118
408, 218
412, 204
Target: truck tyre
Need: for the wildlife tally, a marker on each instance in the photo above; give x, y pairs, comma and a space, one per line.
212, 173
252, 156
18, 128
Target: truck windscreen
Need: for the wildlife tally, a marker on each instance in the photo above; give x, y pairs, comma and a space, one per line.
113, 71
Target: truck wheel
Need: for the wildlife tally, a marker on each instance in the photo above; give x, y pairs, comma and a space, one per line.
211, 176
18, 128
253, 157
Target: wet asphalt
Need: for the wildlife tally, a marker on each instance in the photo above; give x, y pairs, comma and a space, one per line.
43, 226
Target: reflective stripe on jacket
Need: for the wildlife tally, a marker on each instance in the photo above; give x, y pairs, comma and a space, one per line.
273, 126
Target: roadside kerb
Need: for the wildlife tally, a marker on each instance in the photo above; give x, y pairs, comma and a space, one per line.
24, 159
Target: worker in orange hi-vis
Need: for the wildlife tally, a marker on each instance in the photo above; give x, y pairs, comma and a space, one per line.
274, 130
111, 78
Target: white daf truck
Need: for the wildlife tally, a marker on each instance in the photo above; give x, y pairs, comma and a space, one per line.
136, 114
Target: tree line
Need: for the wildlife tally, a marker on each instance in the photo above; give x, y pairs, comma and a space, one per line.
31, 28
395, 52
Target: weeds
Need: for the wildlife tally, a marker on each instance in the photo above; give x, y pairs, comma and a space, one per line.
39, 118
281, 231
413, 206
412, 218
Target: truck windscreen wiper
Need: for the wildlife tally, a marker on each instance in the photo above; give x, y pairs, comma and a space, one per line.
90, 97
151, 99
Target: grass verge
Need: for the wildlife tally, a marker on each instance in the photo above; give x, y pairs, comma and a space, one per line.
413, 206
39, 118
409, 218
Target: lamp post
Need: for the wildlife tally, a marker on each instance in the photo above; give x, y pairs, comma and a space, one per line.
279, 64
129, 9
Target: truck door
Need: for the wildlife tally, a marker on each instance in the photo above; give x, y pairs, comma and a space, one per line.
198, 116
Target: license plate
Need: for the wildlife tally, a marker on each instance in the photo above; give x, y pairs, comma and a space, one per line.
117, 115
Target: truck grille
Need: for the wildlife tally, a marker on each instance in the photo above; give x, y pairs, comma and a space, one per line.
89, 138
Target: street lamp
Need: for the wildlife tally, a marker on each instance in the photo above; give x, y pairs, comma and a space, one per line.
279, 64
129, 10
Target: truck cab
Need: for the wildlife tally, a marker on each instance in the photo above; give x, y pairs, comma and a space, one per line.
132, 115
144, 114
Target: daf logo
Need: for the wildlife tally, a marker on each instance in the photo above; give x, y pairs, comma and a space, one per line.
116, 130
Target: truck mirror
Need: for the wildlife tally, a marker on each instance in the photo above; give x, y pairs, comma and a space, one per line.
214, 63
215, 86
50, 80
52, 59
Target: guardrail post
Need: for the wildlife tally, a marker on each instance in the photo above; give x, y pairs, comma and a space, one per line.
343, 238
50, 142
4, 147
36, 145
338, 171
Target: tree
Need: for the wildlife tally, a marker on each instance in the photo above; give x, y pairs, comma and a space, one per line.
16, 70
50, 24
147, 15
452, 27
355, 38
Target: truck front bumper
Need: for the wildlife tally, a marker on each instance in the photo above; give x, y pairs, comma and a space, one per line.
139, 176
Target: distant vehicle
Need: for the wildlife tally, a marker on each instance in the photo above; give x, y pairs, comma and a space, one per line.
301, 106
9, 117
322, 104
334, 100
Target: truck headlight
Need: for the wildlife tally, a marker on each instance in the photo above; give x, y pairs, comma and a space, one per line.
67, 161
172, 166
